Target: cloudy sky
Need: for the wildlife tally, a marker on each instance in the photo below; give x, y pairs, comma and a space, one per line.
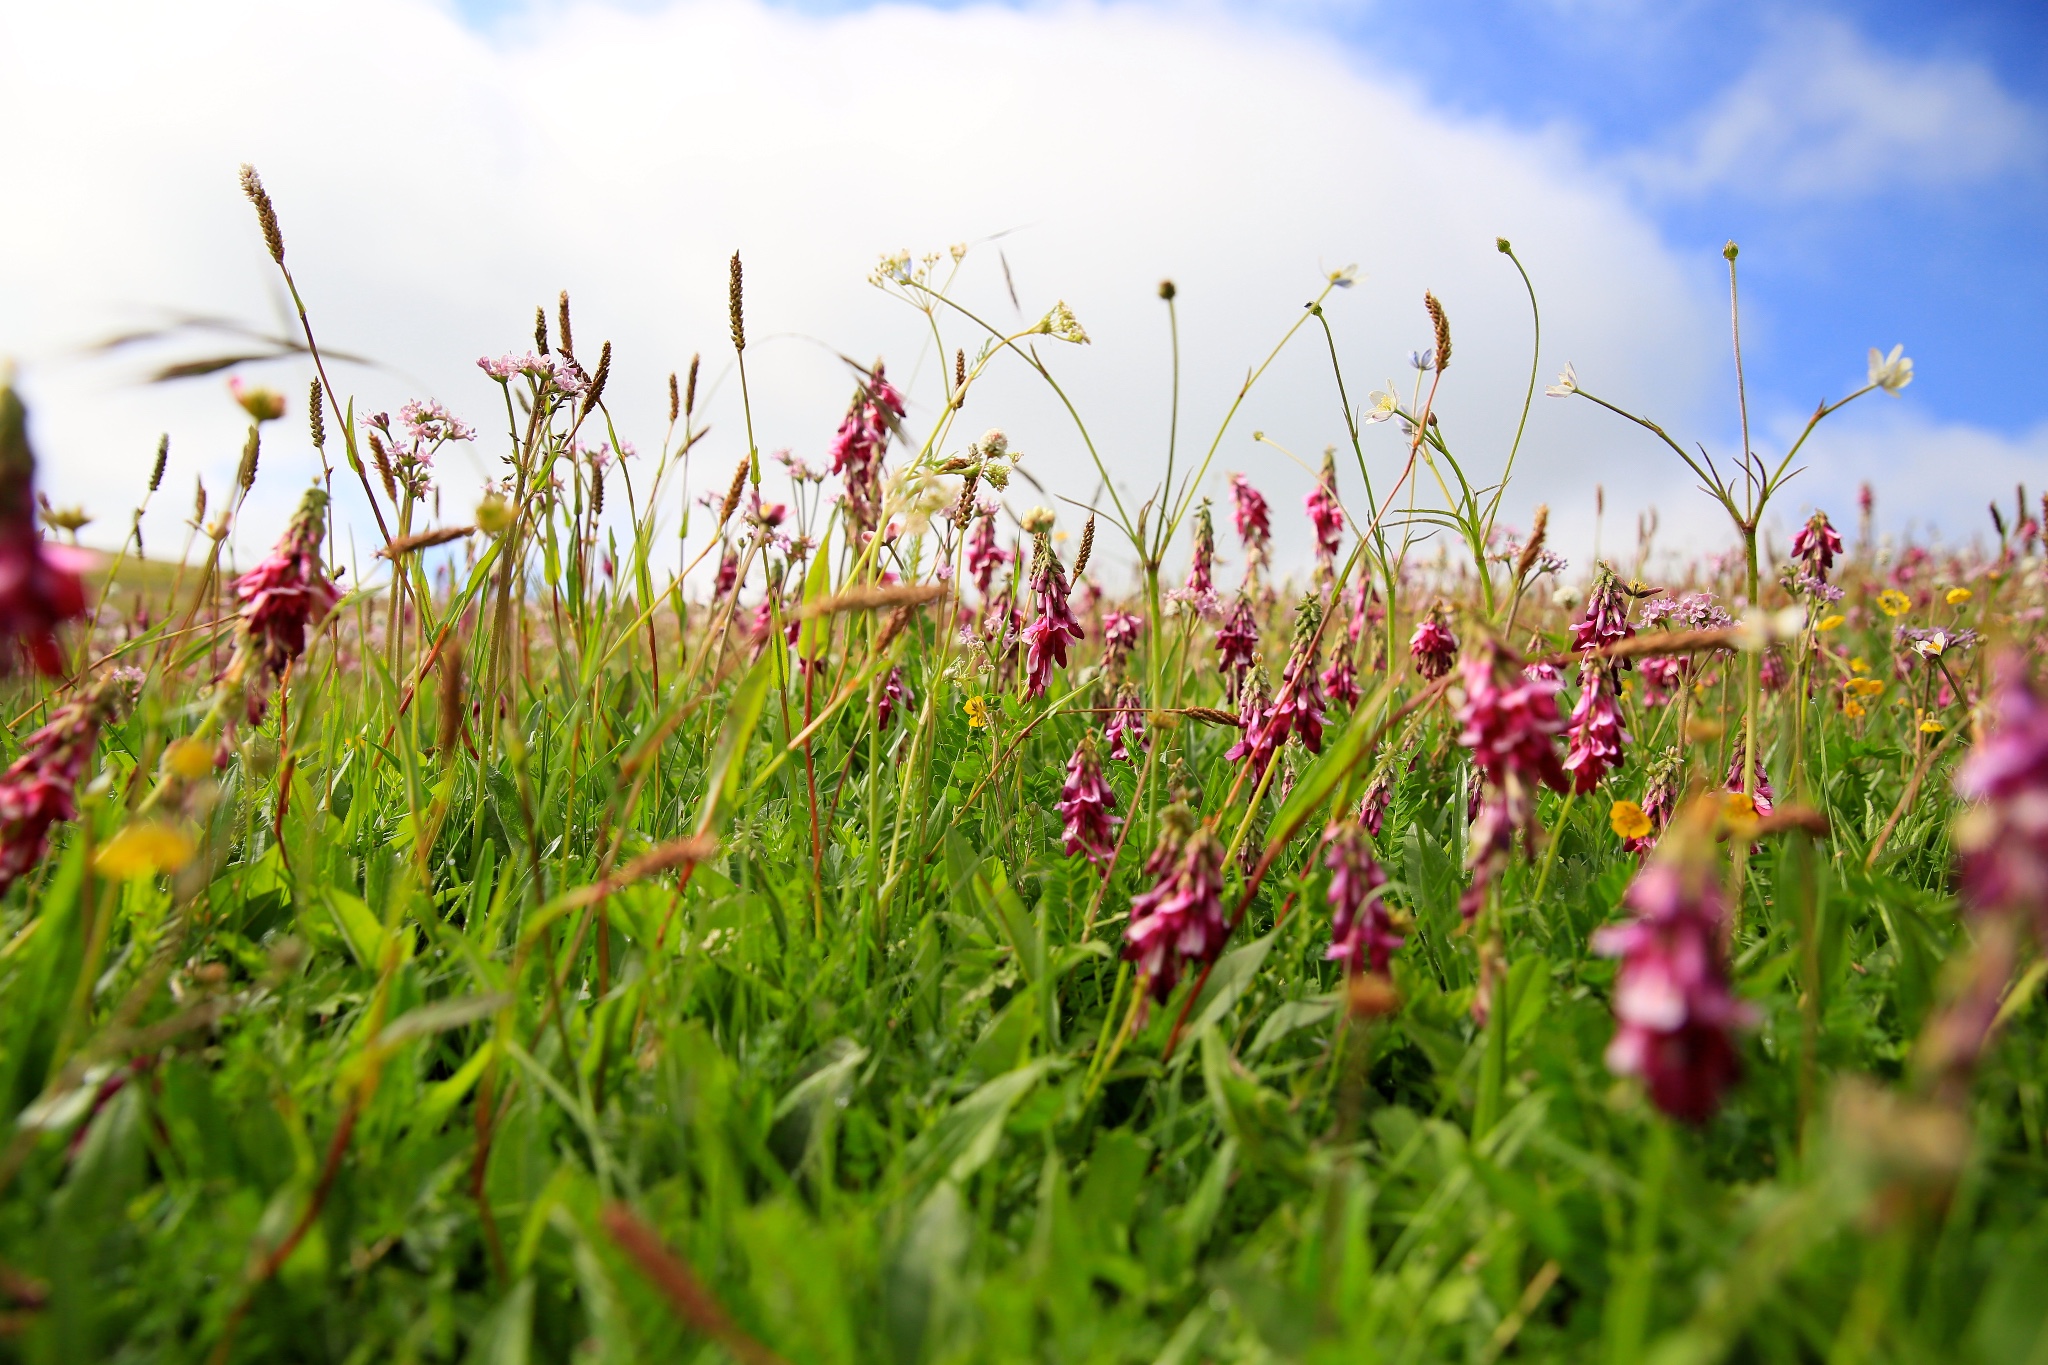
441, 167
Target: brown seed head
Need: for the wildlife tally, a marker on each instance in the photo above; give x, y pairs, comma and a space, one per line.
381, 458
266, 215
675, 399
963, 512
562, 327
163, 455
597, 492
732, 494
1442, 325
959, 378
690, 388
1087, 547
540, 330
735, 298
604, 372
251, 449
1527, 559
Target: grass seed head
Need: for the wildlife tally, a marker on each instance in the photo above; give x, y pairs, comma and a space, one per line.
266, 214
1441, 325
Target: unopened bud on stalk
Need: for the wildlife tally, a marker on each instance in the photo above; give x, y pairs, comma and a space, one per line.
562, 326
315, 417
690, 388
735, 298
163, 455
266, 215
1087, 547
1166, 290
1037, 521
1501, 245
1730, 251
1442, 325
251, 450
732, 494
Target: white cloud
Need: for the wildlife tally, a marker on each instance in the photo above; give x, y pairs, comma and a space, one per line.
1824, 113
435, 183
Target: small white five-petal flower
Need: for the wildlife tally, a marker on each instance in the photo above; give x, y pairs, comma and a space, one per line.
1891, 372
1567, 383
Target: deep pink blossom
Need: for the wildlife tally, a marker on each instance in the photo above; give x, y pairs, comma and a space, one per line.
1509, 721
1048, 635
1179, 919
1325, 514
1674, 1009
984, 557
1254, 522
1660, 798
2003, 836
1125, 732
896, 696
728, 573
1201, 581
1340, 679
1816, 545
1606, 618
1762, 796
1433, 648
1372, 807
1596, 737
1237, 639
1361, 932
40, 586
1297, 707
39, 788
1771, 672
1120, 631
1089, 807
288, 592
857, 448
1663, 678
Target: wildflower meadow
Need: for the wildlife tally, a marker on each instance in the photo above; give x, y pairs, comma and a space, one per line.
871, 904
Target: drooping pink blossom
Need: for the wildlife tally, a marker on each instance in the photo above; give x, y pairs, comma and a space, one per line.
1606, 618
1763, 795
1254, 523
1048, 635
1089, 807
1509, 721
728, 573
1178, 921
896, 696
1326, 515
1237, 639
1596, 737
1200, 587
857, 448
2003, 835
1675, 1011
1372, 807
1433, 648
1362, 935
1297, 707
1120, 631
1125, 732
288, 592
1816, 545
40, 586
39, 788
1771, 674
1340, 679
1663, 678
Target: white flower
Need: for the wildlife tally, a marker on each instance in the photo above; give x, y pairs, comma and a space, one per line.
1567, 383
1384, 405
1346, 277
1891, 372
1062, 323
918, 495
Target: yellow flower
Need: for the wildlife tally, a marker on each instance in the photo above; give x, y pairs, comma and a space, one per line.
1864, 687
188, 758
1891, 601
977, 713
1629, 820
1853, 709
1737, 809
1827, 623
1958, 596
143, 850
1859, 664
1930, 727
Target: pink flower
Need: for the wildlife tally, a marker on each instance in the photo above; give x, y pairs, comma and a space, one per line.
728, 574
1674, 1010
38, 789
1297, 708
857, 448
1771, 671
1361, 932
1372, 807
1596, 734
1660, 796
1254, 522
1663, 676
1816, 545
2003, 836
1340, 679
1606, 619
1325, 514
1047, 637
287, 593
1433, 648
1762, 796
983, 556
895, 695
1201, 581
1510, 722
262, 405
39, 583
1180, 919
1120, 630
1237, 640
1126, 729
1089, 807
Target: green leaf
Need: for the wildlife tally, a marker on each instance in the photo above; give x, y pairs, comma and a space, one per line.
742, 714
